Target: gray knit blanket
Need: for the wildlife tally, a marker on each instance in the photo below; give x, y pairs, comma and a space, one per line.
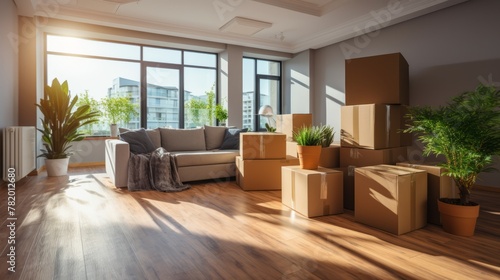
154, 171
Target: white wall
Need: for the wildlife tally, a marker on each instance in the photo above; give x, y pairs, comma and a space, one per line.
8, 68
449, 51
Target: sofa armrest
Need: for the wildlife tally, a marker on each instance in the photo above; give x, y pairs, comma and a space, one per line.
117, 153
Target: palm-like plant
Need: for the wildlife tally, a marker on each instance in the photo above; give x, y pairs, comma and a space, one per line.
466, 132
308, 136
61, 120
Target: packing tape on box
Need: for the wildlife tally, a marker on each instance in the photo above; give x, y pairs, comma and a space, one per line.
324, 187
262, 147
388, 125
355, 126
293, 189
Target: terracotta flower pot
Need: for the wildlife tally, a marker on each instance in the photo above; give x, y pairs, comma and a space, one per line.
309, 156
458, 219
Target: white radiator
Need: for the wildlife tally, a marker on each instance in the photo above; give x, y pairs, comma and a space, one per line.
19, 155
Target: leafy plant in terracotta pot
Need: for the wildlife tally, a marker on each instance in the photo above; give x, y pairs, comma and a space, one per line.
467, 133
60, 123
309, 140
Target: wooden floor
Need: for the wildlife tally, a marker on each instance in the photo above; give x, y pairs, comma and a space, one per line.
81, 227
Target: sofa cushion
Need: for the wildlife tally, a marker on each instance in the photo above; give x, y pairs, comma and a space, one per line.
182, 139
193, 158
214, 136
138, 140
232, 139
154, 135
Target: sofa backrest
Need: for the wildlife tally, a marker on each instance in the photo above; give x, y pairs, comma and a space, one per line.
183, 139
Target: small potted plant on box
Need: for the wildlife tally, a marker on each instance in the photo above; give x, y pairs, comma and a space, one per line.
467, 133
60, 123
309, 140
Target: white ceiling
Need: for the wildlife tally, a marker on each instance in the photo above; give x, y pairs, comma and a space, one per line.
295, 25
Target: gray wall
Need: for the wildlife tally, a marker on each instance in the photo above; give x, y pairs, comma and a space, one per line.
8, 68
449, 51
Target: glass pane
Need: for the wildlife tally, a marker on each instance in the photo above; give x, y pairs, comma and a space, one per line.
162, 55
268, 95
162, 97
265, 67
199, 96
248, 93
200, 59
80, 46
95, 79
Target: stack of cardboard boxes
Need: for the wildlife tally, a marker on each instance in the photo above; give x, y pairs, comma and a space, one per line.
262, 155
377, 89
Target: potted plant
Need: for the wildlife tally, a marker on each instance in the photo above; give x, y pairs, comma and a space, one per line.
309, 140
118, 109
60, 123
467, 133
221, 114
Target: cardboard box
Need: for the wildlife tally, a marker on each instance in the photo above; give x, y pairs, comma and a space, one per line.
406, 139
289, 123
361, 157
330, 156
438, 186
291, 149
391, 198
261, 174
380, 79
262, 145
312, 193
370, 126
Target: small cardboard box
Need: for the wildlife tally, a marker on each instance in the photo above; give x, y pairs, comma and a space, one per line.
261, 174
330, 156
289, 123
312, 193
291, 149
262, 145
391, 198
438, 186
380, 79
370, 126
362, 157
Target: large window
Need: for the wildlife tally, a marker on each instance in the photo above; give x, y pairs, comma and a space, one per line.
168, 87
261, 86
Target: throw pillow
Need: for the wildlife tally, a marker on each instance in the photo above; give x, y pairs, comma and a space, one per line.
139, 141
214, 135
154, 135
232, 139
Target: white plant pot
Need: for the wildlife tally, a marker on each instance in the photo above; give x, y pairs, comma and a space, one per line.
114, 130
57, 167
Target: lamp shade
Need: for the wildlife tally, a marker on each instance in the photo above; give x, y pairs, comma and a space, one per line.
266, 111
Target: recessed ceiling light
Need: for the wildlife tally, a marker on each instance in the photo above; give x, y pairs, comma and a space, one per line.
244, 26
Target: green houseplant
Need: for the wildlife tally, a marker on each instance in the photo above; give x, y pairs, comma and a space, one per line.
221, 114
327, 133
467, 133
309, 142
118, 109
60, 123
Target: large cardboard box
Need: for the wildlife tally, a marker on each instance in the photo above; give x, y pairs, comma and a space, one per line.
438, 186
312, 193
362, 157
330, 156
261, 174
391, 198
262, 145
377, 79
406, 139
370, 126
288, 123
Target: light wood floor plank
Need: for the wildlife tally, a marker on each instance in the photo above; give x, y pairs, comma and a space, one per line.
82, 227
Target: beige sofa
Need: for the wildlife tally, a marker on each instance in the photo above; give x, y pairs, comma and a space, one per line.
201, 153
